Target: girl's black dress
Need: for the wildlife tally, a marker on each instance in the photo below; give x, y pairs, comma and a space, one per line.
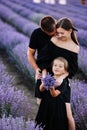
52, 110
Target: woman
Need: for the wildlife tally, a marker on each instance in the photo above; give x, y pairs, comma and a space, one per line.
64, 44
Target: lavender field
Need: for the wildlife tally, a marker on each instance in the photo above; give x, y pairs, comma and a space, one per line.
18, 18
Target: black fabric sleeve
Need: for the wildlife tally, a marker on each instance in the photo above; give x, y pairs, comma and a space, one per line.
43, 58
65, 90
63, 87
33, 40
73, 66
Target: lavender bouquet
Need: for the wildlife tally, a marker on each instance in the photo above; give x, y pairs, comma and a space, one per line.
48, 81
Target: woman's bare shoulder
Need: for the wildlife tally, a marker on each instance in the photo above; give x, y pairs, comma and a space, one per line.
76, 48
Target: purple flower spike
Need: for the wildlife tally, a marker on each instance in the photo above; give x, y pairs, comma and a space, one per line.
48, 81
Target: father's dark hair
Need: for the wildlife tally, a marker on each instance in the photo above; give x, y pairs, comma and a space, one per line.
47, 24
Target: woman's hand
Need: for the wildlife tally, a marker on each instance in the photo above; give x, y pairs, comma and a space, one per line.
61, 78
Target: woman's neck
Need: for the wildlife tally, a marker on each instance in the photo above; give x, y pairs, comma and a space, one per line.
57, 41
67, 40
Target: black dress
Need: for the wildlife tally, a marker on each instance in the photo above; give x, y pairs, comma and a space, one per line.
52, 110
49, 53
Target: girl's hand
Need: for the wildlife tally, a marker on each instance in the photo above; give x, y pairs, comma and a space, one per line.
53, 92
52, 88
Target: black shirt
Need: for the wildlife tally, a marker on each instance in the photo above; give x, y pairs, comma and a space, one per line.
38, 40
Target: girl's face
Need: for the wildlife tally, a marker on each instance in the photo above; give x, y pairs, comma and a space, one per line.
63, 34
58, 67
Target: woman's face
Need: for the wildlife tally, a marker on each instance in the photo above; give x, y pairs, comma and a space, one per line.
63, 34
58, 67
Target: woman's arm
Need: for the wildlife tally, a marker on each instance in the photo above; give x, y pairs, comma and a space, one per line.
61, 78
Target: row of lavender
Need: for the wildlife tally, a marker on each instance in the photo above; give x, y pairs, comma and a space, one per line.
26, 27
68, 6
10, 39
25, 10
79, 103
13, 113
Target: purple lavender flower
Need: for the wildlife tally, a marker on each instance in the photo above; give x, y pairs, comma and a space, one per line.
48, 81
18, 123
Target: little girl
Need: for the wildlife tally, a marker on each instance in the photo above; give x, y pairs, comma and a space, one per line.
52, 113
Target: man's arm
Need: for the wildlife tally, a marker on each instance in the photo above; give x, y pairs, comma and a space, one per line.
31, 58
32, 61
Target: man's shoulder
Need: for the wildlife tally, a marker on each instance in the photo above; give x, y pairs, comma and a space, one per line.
37, 33
37, 30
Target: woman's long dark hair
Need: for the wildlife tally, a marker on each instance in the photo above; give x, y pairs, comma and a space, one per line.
66, 24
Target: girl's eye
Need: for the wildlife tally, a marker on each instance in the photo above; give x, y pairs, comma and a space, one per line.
55, 65
60, 66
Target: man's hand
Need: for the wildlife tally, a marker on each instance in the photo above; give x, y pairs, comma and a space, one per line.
38, 73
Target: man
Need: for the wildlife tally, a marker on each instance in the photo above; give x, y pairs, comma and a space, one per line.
39, 39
